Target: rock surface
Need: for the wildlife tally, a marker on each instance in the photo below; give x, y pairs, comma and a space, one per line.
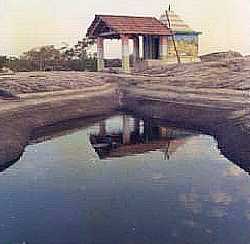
204, 95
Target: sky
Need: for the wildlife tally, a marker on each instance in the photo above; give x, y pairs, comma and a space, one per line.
25, 24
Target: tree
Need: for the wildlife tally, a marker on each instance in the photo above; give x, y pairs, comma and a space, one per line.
3, 61
79, 58
50, 58
43, 58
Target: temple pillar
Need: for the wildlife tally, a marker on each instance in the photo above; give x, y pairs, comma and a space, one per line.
125, 53
136, 47
163, 47
137, 126
100, 54
146, 47
125, 130
143, 47
150, 47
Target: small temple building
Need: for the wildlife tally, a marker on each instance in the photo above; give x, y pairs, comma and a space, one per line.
186, 39
153, 43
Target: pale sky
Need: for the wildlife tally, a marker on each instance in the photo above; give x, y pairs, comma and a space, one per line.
30, 23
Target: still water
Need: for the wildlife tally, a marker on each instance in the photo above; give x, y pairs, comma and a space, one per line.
124, 180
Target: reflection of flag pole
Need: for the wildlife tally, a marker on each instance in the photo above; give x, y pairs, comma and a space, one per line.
167, 155
172, 35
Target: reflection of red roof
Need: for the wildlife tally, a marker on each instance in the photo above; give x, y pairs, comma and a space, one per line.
131, 149
128, 25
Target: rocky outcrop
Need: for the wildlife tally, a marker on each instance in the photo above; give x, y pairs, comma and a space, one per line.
7, 94
220, 55
203, 96
19, 119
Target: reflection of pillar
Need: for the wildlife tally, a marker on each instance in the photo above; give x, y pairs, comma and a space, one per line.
125, 53
163, 132
163, 47
100, 54
102, 128
147, 130
126, 132
166, 132
136, 47
137, 126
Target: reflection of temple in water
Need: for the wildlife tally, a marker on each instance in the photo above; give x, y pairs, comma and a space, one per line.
136, 137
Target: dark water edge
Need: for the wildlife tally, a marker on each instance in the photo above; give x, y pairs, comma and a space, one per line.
167, 187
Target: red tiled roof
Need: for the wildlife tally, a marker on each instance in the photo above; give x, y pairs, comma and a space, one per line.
128, 25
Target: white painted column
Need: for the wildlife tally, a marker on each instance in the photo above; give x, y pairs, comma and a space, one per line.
100, 54
163, 47
136, 53
125, 53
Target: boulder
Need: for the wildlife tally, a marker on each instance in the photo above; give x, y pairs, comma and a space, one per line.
7, 94
220, 55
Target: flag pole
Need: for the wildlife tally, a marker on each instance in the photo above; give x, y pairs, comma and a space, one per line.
173, 38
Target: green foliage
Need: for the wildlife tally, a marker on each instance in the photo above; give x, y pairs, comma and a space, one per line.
78, 58
50, 58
